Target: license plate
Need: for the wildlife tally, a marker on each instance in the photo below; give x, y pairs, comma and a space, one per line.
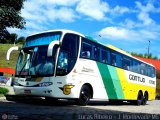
27, 91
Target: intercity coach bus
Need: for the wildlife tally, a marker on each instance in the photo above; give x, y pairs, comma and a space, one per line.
64, 64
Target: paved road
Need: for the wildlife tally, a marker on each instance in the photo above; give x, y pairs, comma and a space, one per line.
41, 110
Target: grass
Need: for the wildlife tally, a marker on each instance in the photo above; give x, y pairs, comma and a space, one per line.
3, 91
13, 58
1, 95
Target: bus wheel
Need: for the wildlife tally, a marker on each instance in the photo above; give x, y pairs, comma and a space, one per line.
85, 96
145, 98
139, 99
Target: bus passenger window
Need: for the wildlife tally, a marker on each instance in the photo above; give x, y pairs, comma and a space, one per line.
135, 66
104, 56
96, 53
143, 69
113, 62
152, 72
113, 59
86, 51
149, 71
126, 63
86, 54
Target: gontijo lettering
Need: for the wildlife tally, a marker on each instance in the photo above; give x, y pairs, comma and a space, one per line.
136, 78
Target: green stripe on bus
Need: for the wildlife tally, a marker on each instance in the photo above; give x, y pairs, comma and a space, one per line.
111, 81
116, 82
107, 80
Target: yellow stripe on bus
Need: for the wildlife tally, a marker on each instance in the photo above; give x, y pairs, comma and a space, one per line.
130, 90
117, 49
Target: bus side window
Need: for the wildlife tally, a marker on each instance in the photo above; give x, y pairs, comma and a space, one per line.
143, 69
152, 72
126, 63
113, 59
104, 58
96, 53
149, 71
135, 66
86, 51
119, 60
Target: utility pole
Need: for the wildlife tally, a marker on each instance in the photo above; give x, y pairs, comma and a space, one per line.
148, 47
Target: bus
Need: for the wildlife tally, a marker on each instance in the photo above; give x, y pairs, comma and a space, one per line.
64, 64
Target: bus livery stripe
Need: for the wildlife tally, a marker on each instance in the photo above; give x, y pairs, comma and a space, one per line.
111, 81
116, 81
107, 80
124, 83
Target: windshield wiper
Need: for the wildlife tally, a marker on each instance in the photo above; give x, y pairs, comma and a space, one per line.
23, 67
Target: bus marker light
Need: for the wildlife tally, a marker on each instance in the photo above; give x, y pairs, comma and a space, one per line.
67, 89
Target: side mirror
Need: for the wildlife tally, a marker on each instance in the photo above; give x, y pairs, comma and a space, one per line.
10, 50
51, 46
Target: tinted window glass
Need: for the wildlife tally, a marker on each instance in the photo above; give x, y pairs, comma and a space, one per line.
126, 64
104, 58
113, 59
135, 66
68, 54
152, 72
86, 50
96, 53
142, 68
116, 59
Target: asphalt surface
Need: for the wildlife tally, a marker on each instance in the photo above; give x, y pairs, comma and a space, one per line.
39, 109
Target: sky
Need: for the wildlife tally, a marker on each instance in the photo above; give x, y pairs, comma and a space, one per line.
126, 24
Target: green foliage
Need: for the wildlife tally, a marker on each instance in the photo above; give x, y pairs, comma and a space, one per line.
158, 87
20, 40
144, 55
3, 90
10, 11
13, 38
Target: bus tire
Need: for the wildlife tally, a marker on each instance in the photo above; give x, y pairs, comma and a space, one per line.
139, 98
145, 98
85, 95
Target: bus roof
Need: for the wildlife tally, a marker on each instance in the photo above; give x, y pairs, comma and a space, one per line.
59, 30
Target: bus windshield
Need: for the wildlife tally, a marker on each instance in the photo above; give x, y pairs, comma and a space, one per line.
34, 61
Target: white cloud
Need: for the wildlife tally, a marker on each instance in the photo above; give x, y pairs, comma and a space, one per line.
144, 17
114, 33
62, 2
144, 13
41, 15
59, 14
148, 8
122, 34
118, 10
95, 9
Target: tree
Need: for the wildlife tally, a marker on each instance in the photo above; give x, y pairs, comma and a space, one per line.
10, 11
20, 40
